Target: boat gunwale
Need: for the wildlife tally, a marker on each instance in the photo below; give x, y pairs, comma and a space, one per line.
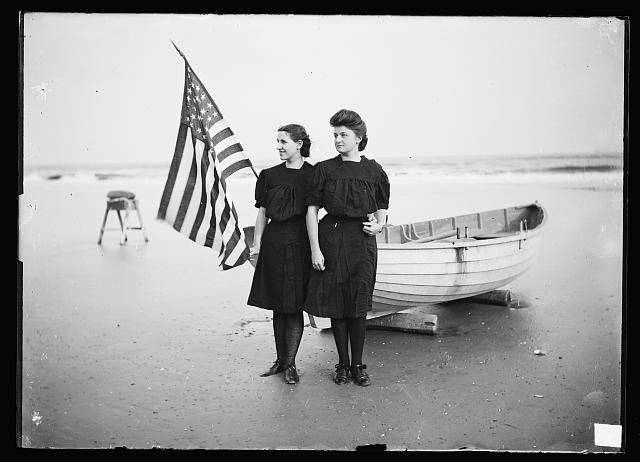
517, 236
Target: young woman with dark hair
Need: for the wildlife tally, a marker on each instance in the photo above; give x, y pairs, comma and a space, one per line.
281, 246
354, 191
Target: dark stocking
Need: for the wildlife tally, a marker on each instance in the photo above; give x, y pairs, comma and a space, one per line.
294, 332
341, 336
357, 328
280, 334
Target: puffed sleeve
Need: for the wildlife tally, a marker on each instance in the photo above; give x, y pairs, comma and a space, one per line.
383, 190
315, 186
261, 189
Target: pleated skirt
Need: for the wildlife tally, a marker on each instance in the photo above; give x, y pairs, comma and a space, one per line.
345, 288
282, 270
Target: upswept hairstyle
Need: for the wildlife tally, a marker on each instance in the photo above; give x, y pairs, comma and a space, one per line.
297, 133
351, 120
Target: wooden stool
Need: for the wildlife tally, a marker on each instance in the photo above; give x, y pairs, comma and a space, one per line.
122, 200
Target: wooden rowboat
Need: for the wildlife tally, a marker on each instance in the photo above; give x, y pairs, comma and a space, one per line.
446, 259
457, 257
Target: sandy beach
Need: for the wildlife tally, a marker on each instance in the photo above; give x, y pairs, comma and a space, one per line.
151, 345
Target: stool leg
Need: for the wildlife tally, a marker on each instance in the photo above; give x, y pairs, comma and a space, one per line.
144, 232
104, 222
124, 237
123, 234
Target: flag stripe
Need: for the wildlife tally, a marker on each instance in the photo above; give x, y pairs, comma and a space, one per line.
231, 169
218, 137
231, 159
232, 235
228, 151
213, 226
224, 144
221, 206
214, 231
226, 221
194, 204
204, 167
207, 219
231, 246
217, 127
183, 169
224, 218
188, 192
173, 171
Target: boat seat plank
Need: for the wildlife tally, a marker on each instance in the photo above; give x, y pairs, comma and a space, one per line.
436, 237
496, 235
454, 240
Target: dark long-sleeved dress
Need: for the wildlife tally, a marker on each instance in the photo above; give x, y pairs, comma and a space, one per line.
284, 262
348, 191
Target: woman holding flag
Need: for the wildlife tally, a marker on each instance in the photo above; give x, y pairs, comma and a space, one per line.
354, 191
281, 246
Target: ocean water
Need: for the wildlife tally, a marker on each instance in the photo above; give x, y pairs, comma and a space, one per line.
593, 170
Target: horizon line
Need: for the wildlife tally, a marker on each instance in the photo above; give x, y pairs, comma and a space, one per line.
388, 157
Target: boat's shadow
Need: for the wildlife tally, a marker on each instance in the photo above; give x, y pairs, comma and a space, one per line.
464, 317
446, 319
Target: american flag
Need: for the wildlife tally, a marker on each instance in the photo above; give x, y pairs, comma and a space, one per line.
196, 199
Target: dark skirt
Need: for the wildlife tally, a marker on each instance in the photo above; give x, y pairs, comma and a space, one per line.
345, 288
282, 271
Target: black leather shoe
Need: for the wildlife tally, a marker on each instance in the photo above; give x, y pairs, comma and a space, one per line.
291, 374
360, 377
276, 368
342, 374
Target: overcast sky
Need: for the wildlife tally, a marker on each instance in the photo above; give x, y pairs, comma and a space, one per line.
107, 88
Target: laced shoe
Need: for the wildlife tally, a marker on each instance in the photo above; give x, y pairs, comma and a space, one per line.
342, 374
291, 374
276, 368
360, 377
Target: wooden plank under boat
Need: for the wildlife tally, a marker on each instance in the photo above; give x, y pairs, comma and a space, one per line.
446, 259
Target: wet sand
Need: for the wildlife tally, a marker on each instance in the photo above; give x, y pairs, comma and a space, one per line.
150, 345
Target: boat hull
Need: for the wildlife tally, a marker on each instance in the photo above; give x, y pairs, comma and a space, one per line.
411, 274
